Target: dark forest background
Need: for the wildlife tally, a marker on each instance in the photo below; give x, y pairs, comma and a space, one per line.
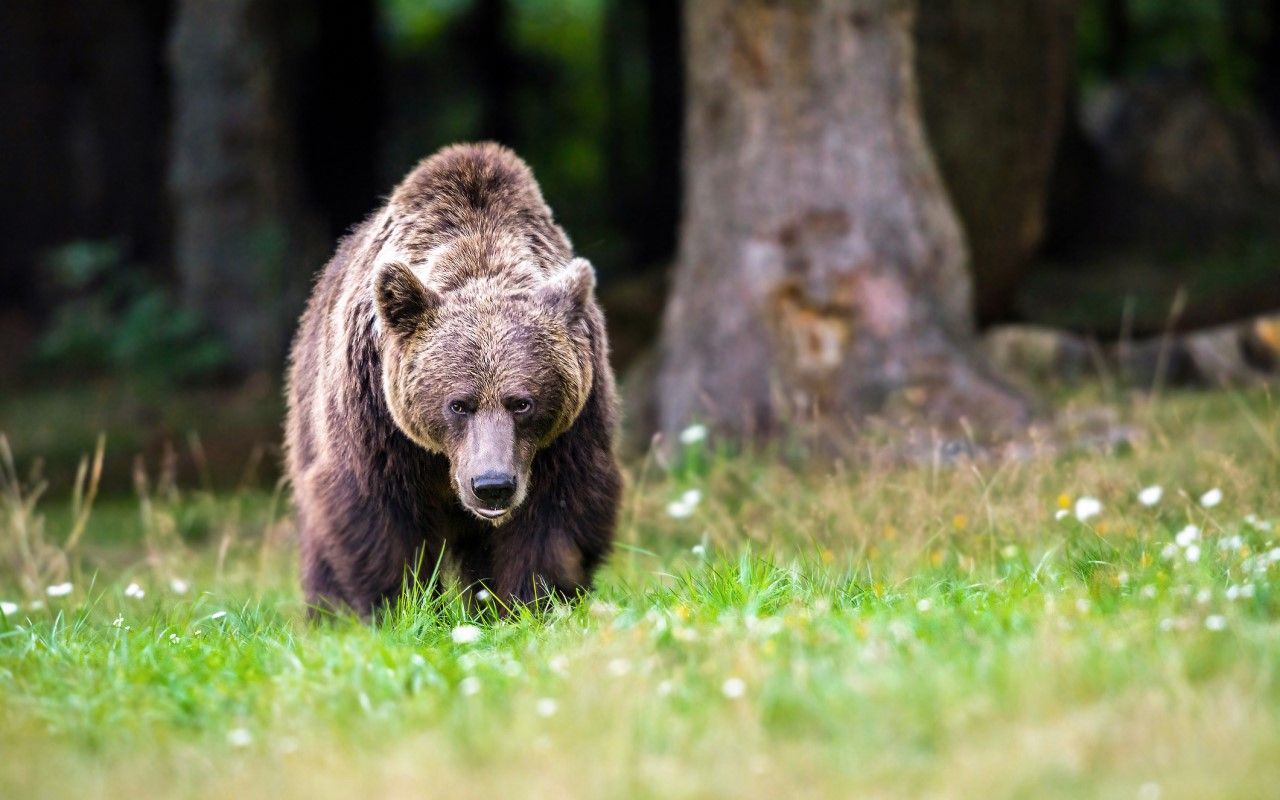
173, 173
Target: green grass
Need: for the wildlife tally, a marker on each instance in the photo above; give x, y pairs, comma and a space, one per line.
859, 631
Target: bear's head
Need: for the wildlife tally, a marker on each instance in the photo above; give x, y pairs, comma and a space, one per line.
486, 376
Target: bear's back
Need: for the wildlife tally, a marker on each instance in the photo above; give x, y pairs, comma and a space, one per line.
474, 211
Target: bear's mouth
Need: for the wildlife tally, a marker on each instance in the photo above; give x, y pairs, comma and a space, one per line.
492, 513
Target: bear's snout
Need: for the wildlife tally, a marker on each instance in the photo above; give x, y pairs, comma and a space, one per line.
495, 489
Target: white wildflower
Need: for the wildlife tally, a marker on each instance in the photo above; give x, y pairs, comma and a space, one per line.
1211, 498
1192, 553
684, 633
1233, 592
1231, 542
1215, 622
483, 596
1187, 535
469, 685
1257, 523
1204, 596
1247, 590
678, 510
1150, 495
699, 550
1273, 555
8, 609
118, 622
693, 434
217, 615
924, 604
559, 665
135, 591
466, 634
1087, 508
1082, 605
603, 609
239, 737
1148, 591
619, 667
174, 638
685, 505
1060, 514
59, 589
665, 688
1167, 624
547, 707
733, 688
35, 605
1170, 550
179, 586
769, 626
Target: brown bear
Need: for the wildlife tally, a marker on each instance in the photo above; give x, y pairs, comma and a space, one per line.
450, 395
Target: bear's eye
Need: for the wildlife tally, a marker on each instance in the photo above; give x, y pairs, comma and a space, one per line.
521, 406
459, 407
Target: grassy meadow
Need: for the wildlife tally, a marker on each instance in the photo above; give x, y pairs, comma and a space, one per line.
1036, 627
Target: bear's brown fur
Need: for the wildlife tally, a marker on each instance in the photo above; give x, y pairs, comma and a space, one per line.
449, 393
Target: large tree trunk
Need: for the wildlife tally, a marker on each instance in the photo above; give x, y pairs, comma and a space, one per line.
822, 273
994, 77
245, 242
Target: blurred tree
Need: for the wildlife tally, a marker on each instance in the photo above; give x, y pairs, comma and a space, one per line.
645, 93
994, 78
1117, 31
1266, 72
245, 240
821, 275
82, 136
341, 96
486, 38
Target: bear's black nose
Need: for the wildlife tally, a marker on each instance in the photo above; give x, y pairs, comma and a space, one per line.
494, 489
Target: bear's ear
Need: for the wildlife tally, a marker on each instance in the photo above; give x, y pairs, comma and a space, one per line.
403, 302
570, 289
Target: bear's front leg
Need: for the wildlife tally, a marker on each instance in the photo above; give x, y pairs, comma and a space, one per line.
357, 548
554, 545
531, 565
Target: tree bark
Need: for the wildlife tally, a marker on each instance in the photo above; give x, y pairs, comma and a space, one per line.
994, 77
822, 274
245, 241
